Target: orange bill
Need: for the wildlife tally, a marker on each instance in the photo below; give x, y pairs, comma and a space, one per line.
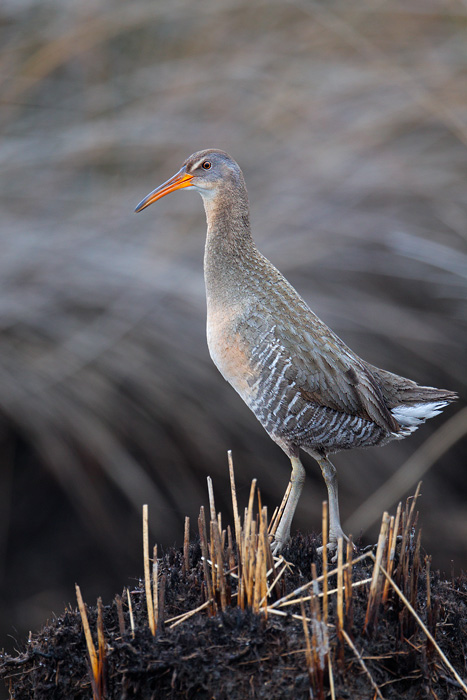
177, 182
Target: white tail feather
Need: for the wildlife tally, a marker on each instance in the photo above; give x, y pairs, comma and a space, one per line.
411, 417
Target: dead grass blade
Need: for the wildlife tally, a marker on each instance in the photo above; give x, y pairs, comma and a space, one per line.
87, 634
278, 514
147, 572
325, 561
97, 659
233, 488
186, 616
121, 618
373, 598
130, 611
340, 587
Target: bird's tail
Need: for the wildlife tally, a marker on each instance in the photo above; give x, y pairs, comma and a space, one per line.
411, 416
411, 404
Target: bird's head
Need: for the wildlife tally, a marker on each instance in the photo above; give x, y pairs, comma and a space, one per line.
205, 171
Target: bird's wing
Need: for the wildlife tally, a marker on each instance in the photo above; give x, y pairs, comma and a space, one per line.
319, 364
330, 374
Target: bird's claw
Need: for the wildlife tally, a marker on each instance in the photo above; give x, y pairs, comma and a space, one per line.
332, 547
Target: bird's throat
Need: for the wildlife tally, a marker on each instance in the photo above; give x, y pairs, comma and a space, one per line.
230, 250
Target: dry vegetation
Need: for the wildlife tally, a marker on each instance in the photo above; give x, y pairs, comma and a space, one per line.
222, 618
350, 122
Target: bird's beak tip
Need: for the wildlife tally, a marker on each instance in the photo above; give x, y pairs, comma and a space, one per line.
179, 181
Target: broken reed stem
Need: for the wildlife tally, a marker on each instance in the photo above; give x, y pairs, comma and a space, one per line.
185, 616
263, 553
247, 550
130, 610
325, 562
331, 679
249, 516
422, 625
147, 575
213, 556
219, 559
272, 525
205, 554
282, 613
278, 513
87, 634
403, 568
340, 587
233, 489
212, 505
186, 547
97, 659
372, 607
391, 548
249, 564
121, 618
230, 550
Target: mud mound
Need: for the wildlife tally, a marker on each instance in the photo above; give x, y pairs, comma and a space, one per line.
236, 653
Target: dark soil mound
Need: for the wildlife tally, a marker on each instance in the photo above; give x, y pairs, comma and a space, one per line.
237, 654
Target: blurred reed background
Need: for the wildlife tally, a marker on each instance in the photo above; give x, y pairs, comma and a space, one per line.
350, 123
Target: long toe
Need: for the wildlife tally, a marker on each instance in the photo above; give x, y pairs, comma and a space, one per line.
331, 547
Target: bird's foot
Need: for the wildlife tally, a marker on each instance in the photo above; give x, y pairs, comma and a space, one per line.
276, 548
278, 544
332, 545
279, 540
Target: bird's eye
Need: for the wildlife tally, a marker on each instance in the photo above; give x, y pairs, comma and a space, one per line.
206, 165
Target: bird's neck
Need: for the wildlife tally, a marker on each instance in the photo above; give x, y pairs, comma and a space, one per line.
230, 249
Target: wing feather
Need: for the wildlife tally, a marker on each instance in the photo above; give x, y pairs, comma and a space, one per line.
323, 368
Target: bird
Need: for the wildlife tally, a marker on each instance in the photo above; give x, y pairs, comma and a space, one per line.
306, 387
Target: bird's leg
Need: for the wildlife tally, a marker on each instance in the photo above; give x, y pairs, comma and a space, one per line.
297, 479
329, 473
